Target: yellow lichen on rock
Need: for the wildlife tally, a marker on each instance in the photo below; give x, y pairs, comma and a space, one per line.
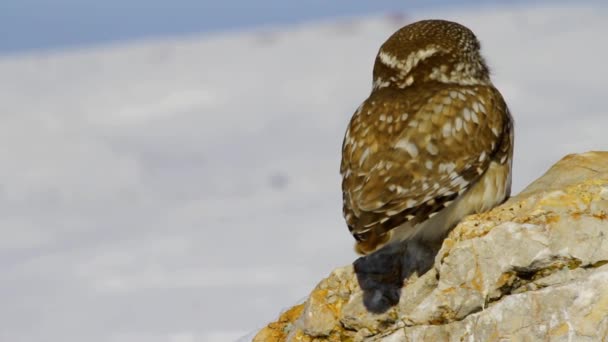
278, 330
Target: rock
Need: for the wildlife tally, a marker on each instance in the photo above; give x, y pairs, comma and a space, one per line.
534, 268
278, 331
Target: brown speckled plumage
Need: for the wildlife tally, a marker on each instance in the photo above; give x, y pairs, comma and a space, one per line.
428, 133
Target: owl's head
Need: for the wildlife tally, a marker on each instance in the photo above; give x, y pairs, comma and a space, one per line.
430, 51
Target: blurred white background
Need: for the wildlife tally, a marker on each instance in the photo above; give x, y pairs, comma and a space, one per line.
169, 171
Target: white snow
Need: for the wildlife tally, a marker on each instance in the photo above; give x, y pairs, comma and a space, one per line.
188, 190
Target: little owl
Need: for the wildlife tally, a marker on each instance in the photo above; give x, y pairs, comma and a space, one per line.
431, 144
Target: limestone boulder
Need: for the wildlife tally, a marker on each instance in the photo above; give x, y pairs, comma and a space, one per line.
532, 269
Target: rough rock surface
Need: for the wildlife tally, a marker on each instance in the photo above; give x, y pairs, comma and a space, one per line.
532, 269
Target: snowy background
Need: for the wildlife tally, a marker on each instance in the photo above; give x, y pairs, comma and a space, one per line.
187, 189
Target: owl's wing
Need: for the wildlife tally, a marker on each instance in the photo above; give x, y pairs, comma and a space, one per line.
416, 163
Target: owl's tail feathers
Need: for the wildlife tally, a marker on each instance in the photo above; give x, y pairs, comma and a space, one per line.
371, 240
